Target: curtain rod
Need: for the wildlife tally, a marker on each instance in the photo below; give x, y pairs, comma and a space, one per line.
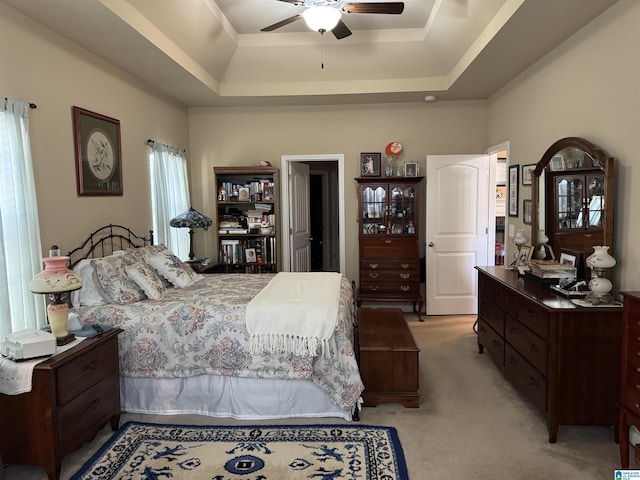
31, 105
151, 143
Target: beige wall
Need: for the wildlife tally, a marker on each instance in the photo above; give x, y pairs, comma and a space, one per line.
588, 87
41, 67
242, 136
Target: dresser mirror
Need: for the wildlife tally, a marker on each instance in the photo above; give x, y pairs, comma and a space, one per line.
573, 188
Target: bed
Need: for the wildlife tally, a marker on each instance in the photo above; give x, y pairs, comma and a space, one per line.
185, 344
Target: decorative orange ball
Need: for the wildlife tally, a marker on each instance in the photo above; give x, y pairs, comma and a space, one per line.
394, 149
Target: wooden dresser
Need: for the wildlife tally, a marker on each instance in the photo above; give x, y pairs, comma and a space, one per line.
629, 373
73, 395
564, 358
388, 240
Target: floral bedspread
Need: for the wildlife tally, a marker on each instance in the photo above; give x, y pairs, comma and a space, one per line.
201, 329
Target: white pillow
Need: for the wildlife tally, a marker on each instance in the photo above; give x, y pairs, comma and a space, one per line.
146, 279
113, 278
170, 267
91, 293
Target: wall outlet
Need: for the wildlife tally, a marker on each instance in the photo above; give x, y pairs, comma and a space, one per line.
512, 230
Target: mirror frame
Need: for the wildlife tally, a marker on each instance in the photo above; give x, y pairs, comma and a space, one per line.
600, 160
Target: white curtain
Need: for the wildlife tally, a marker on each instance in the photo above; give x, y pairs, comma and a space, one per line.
20, 257
169, 196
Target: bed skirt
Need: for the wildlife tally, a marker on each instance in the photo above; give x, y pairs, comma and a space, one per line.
222, 396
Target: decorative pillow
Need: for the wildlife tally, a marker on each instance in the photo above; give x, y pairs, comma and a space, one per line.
113, 278
140, 252
171, 268
145, 278
91, 294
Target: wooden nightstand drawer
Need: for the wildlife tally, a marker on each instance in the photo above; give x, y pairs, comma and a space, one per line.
394, 288
77, 376
95, 406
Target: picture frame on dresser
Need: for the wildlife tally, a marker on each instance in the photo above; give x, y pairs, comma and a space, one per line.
98, 154
411, 169
370, 164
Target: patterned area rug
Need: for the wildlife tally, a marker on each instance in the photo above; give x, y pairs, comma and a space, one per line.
273, 452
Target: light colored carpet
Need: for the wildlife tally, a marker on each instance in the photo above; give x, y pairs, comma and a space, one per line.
471, 423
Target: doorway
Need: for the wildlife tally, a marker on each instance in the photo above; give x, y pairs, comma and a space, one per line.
326, 215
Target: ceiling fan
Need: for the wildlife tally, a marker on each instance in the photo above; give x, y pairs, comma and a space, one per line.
325, 15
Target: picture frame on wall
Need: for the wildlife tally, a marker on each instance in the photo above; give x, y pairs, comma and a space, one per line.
514, 172
370, 164
98, 153
527, 174
526, 211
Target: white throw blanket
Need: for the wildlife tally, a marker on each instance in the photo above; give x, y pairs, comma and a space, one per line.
295, 313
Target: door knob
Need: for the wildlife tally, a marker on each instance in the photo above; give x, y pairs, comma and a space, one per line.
430, 244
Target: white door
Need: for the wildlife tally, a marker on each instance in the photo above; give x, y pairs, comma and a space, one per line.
300, 224
457, 231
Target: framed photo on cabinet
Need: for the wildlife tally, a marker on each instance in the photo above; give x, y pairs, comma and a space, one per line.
370, 164
410, 169
513, 190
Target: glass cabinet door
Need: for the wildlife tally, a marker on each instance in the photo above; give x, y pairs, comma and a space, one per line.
374, 203
579, 202
401, 210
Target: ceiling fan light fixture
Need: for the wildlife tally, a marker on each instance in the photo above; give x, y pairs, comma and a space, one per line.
321, 18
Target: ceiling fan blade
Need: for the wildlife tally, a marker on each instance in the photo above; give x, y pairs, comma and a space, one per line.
341, 30
295, 2
394, 8
281, 23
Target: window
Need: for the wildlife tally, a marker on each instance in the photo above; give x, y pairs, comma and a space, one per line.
19, 225
169, 196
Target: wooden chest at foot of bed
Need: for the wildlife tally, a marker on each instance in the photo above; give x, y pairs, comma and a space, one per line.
388, 358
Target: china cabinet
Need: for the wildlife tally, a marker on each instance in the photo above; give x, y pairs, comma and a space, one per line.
388, 213
247, 219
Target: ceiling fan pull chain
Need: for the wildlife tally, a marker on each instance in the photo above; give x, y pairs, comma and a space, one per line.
322, 61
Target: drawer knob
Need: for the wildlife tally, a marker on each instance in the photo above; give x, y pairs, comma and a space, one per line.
514, 330
495, 343
373, 265
387, 241
373, 275
89, 366
405, 288
404, 265
534, 348
404, 276
373, 288
637, 386
533, 382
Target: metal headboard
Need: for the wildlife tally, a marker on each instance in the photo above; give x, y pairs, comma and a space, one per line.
106, 240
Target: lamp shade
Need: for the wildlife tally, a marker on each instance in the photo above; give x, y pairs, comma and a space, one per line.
520, 238
321, 18
191, 219
56, 277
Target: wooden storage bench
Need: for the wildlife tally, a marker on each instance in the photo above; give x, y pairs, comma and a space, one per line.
388, 358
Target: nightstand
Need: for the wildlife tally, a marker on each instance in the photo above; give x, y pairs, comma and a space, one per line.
73, 396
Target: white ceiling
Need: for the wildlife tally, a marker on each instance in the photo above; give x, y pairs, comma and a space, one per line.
211, 52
